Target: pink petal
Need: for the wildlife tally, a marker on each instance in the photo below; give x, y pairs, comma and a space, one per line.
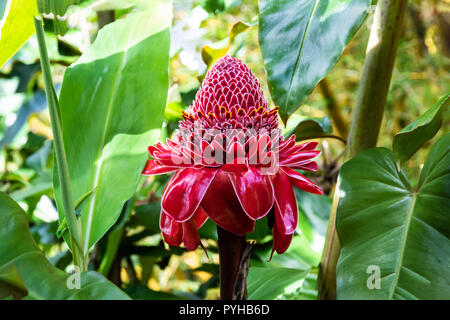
223, 207
234, 168
254, 191
291, 159
172, 231
185, 191
287, 144
191, 239
281, 242
154, 168
305, 146
286, 212
200, 217
310, 166
301, 182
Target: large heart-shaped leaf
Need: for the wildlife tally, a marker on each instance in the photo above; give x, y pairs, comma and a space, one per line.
112, 105
16, 27
24, 267
11, 283
392, 232
301, 40
414, 135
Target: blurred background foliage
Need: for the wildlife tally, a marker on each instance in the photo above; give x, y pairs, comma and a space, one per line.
132, 254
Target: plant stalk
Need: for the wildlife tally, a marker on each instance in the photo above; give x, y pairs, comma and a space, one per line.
234, 255
367, 116
60, 153
333, 108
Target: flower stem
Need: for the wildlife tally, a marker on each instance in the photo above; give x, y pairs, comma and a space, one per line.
60, 153
367, 116
234, 254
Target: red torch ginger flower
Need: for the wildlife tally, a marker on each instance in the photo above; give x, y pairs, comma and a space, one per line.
230, 163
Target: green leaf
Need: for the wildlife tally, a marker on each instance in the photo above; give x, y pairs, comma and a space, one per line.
301, 40
300, 254
414, 135
11, 283
112, 105
115, 236
269, 283
308, 128
147, 215
211, 53
35, 273
16, 27
314, 211
39, 185
384, 223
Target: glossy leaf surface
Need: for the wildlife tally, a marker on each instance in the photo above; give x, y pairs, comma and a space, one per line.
301, 40
24, 265
112, 104
16, 27
269, 283
414, 135
393, 232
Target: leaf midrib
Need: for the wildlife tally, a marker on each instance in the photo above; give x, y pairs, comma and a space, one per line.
403, 244
300, 50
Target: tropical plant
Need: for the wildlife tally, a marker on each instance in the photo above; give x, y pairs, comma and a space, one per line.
160, 160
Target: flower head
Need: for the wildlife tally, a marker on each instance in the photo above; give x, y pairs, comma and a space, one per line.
230, 162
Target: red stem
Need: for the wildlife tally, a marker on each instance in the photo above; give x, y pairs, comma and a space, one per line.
234, 254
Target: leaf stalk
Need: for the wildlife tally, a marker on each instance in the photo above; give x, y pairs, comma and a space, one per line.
73, 224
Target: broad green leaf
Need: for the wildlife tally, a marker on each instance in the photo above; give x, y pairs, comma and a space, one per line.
19, 253
11, 283
148, 216
307, 290
314, 211
306, 127
384, 224
39, 185
112, 105
211, 53
114, 237
313, 128
301, 40
300, 255
16, 27
414, 135
269, 283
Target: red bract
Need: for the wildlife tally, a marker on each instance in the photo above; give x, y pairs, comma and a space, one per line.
230, 162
